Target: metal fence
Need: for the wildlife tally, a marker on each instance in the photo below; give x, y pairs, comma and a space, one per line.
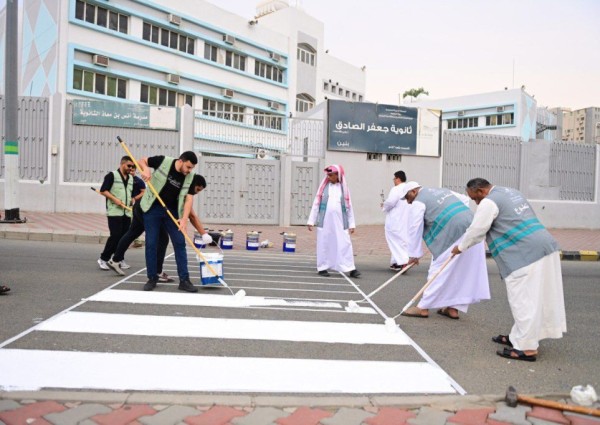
248, 134
92, 151
573, 169
33, 137
467, 155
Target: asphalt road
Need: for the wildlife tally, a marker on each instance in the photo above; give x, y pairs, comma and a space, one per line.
47, 278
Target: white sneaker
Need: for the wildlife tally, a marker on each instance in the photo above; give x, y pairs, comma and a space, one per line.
102, 264
124, 265
164, 278
115, 266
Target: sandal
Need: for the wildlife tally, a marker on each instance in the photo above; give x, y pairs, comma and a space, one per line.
514, 354
446, 312
4, 289
502, 339
415, 312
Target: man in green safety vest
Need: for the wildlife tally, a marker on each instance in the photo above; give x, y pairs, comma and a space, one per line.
117, 188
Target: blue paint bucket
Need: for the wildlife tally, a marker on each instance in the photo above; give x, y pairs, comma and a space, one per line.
215, 260
252, 241
226, 240
198, 242
289, 242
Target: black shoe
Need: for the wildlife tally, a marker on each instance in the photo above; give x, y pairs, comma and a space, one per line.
150, 285
354, 273
186, 285
324, 273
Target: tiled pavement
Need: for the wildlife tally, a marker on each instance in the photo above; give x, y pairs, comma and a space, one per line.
576, 244
122, 408
88, 408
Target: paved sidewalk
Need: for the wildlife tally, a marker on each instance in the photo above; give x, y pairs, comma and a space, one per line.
86, 408
576, 244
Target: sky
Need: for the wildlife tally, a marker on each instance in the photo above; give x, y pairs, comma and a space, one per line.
462, 47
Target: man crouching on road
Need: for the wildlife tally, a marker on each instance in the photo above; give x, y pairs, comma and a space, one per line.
529, 262
172, 179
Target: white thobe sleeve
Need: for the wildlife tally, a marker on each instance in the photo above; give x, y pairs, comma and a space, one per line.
415, 229
314, 212
351, 222
486, 213
392, 200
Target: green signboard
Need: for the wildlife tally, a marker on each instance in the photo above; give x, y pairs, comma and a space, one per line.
118, 114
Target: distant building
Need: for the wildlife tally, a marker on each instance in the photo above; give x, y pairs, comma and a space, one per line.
507, 112
581, 125
232, 70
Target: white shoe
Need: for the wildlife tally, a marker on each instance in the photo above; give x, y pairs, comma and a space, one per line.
124, 265
164, 278
115, 266
103, 264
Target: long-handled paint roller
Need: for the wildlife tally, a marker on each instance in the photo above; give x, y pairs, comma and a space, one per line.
418, 294
353, 305
241, 293
98, 192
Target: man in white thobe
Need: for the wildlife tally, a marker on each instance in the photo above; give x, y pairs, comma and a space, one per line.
440, 217
529, 262
333, 216
396, 223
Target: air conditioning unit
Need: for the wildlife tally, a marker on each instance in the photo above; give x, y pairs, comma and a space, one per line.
100, 60
229, 39
174, 19
273, 105
276, 57
173, 78
461, 113
500, 109
227, 92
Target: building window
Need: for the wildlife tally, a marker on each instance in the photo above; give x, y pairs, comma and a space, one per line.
325, 86
304, 102
264, 119
101, 16
268, 71
306, 54
211, 52
458, 123
374, 156
235, 60
168, 38
164, 97
103, 84
225, 111
500, 119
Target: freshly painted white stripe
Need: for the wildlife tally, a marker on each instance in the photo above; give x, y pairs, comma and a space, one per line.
233, 287
207, 300
29, 370
203, 327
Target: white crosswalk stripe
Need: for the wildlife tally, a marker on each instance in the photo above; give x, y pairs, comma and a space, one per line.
52, 367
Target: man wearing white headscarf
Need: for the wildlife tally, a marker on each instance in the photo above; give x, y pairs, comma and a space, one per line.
440, 217
333, 216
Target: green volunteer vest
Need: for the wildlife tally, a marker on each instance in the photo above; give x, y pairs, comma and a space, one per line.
159, 179
121, 191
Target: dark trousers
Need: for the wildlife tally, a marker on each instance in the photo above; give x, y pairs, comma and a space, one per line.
135, 231
117, 226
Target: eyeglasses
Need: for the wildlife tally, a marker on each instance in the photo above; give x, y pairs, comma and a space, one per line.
131, 167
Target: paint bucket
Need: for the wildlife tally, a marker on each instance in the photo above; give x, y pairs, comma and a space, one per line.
289, 242
226, 240
215, 260
198, 242
252, 241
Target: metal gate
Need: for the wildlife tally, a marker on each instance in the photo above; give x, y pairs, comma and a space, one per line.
240, 191
305, 181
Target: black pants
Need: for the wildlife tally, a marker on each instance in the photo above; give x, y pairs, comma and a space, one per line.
117, 226
135, 231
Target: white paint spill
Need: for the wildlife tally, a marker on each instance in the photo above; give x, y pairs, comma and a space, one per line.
201, 327
29, 370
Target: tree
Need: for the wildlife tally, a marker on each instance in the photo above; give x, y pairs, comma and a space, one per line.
414, 93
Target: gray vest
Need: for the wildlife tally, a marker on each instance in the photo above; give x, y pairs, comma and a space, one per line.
446, 218
516, 238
